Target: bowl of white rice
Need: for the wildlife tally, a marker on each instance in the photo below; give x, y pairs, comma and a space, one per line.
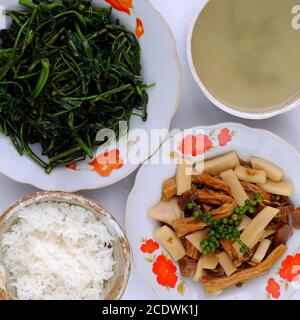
61, 246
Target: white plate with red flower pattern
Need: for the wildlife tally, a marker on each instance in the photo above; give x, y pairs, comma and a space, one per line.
160, 65
149, 256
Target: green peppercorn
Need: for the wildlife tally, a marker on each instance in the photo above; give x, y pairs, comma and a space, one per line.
208, 248
197, 214
213, 238
213, 223
204, 243
190, 205
237, 210
257, 195
225, 221
235, 217
242, 250
259, 198
217, 243
251, 210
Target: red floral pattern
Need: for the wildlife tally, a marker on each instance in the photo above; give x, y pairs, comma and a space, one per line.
289, 271
121, 5
149, 246
165, 271
224, 137
139, 31
72, 166
290, 268
195, 145
106, 162
125, 6
273, 288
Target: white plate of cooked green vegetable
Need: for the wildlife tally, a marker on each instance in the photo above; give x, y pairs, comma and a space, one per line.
68, 71
222, 220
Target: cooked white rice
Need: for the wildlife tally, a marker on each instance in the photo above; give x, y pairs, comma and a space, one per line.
57, 251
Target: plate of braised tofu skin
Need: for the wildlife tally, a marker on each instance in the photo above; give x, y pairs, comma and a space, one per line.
220, 220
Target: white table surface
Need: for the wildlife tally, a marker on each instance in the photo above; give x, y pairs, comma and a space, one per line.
194, 110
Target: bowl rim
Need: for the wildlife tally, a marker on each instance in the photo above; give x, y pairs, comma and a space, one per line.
288, 106
110, 182
138, 177
39, 196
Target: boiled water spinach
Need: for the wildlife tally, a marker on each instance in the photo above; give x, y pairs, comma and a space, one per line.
66, 72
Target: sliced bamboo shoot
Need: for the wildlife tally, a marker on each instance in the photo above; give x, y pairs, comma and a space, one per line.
259, 236
171, 242
210, 261
196, 238
236, 188
267, 233
199, 271
252, 233
166, 211
199, 167
245, 221
272, 171
184, 177
261, 251
282, 188
236, 246
250, 175
226, 263
217, 293
217, 165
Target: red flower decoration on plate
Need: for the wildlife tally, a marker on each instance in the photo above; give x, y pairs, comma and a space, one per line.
121, 5
290, 268
165, 271
139, 30
106, 162
224, 137
273, 288
195, 145
149, 246
72, 166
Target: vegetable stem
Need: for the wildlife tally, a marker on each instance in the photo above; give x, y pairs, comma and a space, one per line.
28, 4
101, 96
27, 150
67, 70
42, 79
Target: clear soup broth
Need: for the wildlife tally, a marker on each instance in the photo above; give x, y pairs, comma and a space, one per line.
247, 54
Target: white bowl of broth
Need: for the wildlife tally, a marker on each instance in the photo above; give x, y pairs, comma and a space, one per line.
245, 56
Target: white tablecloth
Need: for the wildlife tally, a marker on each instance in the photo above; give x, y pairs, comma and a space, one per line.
194, 109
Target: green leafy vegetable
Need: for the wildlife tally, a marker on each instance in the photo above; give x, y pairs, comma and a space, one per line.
66, 72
